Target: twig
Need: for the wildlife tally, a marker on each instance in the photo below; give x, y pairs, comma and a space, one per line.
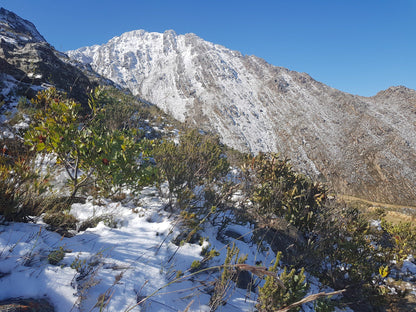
245, 267
310, 298
188, 306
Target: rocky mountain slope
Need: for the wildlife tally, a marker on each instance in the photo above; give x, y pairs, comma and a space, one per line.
360, 146
27, 60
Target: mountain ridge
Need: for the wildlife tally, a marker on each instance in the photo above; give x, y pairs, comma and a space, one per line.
357, 144
28, 60
17, 28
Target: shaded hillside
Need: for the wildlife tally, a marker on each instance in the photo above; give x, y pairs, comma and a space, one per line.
26, 59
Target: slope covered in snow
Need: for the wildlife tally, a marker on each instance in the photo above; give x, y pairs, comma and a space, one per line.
133, 253
361, 146
118, 267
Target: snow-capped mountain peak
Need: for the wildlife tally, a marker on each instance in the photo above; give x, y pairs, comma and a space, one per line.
355, 143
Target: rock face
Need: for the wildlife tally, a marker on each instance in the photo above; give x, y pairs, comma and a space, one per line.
27, 59
361, 146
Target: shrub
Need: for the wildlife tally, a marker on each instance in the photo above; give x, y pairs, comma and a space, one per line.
403, 239
108, 220
56, 256
197, 160
22, 189
195, 265
89, 152
61, 221
228, 275
278, 191
273, 295
344, 253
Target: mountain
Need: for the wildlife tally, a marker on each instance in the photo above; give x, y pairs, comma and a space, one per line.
362, 146
27, 60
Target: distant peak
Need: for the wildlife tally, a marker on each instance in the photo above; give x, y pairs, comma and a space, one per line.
170, 32
396, 91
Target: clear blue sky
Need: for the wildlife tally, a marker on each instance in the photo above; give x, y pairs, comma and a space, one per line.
357, 46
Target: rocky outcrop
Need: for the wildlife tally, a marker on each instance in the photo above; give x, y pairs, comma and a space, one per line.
29, 59
360, 146
28, 305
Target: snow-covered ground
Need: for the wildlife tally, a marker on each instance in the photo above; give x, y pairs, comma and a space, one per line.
123, 264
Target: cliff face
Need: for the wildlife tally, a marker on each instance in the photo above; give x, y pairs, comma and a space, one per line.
27, 60
360, 146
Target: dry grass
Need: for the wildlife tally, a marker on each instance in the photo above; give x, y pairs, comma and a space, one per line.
392, 213
349, 198
397, 217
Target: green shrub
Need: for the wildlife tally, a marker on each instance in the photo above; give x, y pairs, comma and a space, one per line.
89, 151
345, 253
324, 305
278, 191
403, 239
108, 220
229, 275
195, 265
56, 256
273, 297
22, 189
60, 220
197, 160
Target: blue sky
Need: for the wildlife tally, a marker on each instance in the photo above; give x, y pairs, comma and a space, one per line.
357, 46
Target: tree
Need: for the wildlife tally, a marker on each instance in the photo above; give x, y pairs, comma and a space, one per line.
89, 151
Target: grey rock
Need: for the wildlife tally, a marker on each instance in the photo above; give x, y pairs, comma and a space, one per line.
29, 305
29, 59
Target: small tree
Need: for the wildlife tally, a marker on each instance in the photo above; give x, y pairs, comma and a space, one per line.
197, 159
88, 150
21, 188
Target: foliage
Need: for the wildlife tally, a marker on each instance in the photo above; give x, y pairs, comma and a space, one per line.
272, 296
116, 111
21, 188
195, 265
89, 151
342, 252
197, 160
278, 191
55, 256
86, 276
92, 222
228, 274
403, 238
324, 305
125, 111
61, 220
384, 271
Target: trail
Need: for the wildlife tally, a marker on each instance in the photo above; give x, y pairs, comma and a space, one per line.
349, 198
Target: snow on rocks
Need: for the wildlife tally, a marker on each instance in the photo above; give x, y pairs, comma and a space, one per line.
409, 265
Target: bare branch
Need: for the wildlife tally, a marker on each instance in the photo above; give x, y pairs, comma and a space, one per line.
310, 298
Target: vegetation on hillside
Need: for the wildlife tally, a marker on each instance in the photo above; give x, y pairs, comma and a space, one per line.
108, 150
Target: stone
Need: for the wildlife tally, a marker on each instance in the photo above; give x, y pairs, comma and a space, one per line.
26, 305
